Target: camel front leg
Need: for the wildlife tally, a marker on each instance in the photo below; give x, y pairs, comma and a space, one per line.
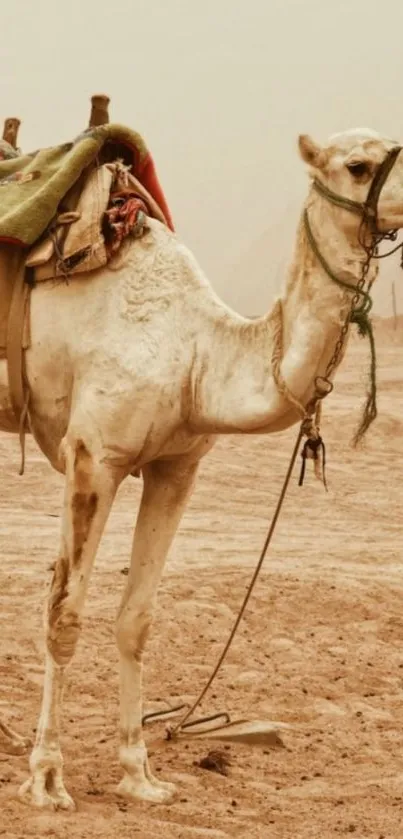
90, 489
167, 487
12, 743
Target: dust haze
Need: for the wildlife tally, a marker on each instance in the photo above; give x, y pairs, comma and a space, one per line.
220, 91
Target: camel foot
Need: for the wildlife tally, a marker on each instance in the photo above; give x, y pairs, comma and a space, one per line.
12, 743
154, 791
46, 790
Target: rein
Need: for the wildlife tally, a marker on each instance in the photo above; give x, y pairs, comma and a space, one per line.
366, 297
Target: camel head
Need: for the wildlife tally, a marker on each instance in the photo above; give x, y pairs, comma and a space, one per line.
360, 174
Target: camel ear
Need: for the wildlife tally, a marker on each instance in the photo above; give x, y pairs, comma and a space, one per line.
311, 152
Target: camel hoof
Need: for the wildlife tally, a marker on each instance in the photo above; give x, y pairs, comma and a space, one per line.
34, 793
12, 743
156, 792
16, 746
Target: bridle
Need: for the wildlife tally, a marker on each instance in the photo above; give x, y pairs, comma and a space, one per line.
361, 302
368, 209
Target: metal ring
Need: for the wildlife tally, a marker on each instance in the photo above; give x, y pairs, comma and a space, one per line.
320, 380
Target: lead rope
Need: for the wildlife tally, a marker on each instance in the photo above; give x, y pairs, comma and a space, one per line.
22, 430
173, 731
313, 445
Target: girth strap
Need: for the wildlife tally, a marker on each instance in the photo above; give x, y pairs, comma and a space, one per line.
19, 394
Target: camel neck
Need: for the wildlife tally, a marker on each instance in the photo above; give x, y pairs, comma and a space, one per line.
233, 386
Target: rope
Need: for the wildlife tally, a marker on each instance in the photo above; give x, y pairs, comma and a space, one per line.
276, 359
358, 315
339, 200
369, 208
303, 430
309, 428
367, 300
305, 413
370, 411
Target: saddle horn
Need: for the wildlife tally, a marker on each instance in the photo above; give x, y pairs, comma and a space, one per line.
10, 131
99, 110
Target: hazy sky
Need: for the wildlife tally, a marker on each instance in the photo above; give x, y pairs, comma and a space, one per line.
220, 89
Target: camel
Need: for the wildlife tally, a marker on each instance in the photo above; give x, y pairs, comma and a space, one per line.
140, 368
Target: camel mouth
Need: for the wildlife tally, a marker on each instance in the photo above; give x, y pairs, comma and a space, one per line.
390, 216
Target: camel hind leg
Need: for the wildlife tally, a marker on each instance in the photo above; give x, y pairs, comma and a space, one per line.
89, 493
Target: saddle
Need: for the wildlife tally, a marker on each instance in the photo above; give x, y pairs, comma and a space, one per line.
110, 204
95, 209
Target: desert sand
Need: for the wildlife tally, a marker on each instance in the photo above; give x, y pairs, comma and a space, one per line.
320, 647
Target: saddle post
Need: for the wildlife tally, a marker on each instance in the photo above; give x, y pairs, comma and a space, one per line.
99, 110
10, 131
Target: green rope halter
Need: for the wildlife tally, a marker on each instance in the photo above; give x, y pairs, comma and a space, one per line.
360, 316
339, 200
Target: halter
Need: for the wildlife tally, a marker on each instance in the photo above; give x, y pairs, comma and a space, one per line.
368, 209
361, 302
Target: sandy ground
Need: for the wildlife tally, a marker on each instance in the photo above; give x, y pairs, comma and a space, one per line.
320, 646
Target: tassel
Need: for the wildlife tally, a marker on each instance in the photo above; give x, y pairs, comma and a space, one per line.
314, 449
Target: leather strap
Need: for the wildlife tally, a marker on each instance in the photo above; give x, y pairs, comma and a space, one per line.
19, 394
371, 203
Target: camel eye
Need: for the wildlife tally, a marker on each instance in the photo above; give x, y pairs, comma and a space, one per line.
358, 169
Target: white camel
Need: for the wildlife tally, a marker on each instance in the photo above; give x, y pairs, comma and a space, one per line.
138, 367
